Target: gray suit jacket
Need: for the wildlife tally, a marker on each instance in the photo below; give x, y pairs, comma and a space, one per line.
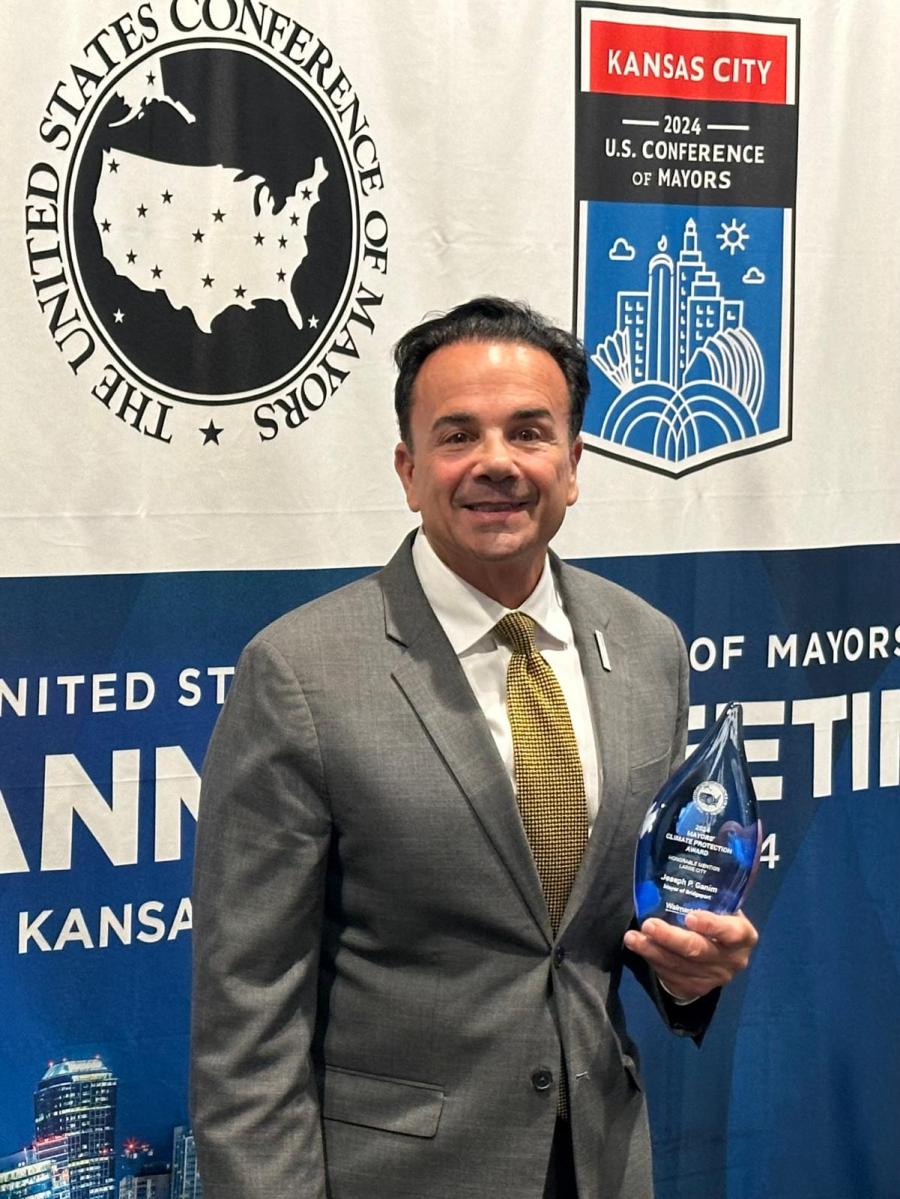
380, 1010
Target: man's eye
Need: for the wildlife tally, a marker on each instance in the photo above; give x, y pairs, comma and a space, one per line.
529, 434
456, 437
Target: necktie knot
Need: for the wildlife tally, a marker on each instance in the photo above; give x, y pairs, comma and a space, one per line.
516, 630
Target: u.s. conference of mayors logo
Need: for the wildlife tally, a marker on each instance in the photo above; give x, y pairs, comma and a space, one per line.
685, 181
205, 232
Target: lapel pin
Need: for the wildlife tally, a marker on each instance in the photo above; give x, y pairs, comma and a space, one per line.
601, 646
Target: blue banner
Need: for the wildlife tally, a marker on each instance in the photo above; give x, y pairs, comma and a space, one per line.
110, 688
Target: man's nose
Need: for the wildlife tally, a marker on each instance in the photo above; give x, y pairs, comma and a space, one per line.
496, 459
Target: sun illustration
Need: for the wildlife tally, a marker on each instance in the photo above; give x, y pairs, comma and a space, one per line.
733, 237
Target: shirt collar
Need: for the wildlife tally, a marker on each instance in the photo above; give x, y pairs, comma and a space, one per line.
467, 615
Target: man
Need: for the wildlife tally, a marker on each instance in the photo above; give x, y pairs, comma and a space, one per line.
408, 950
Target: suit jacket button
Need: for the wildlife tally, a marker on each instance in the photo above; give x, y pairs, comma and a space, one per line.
542, 1080
559, 954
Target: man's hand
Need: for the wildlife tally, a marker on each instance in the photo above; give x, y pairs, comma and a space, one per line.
694, 960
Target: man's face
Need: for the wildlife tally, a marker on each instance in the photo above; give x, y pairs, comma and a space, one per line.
491, 466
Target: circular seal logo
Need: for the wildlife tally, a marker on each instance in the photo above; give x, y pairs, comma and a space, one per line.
710, 797
216, 216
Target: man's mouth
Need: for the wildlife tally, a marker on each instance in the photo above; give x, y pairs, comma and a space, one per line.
497, 506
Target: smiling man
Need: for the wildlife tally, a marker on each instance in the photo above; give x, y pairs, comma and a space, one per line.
489, 459
412, 899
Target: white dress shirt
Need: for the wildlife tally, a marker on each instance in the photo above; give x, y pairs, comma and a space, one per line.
468, 616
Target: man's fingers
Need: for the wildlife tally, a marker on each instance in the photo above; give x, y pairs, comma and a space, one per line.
696, 962
685, 977
733, 930
710, 952
685, 943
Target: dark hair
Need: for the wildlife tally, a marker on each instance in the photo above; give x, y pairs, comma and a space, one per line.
489, 318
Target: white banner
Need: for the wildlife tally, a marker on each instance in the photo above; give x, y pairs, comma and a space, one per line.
446, 138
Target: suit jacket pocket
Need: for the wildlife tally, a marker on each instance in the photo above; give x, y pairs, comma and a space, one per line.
391, 1104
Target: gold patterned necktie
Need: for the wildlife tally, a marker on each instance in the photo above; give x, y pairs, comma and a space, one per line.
548, 772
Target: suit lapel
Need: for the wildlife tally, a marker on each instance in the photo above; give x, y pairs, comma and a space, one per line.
431, 678
608, 694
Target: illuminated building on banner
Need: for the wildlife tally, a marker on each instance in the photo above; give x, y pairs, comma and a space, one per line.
151, 1182
39, 1172
21, 1179
134, 1149
77, 1100
185, 1178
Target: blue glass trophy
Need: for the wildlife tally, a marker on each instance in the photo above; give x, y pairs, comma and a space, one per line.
700, 841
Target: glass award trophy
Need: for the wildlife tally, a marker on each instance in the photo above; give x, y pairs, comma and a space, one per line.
700, 841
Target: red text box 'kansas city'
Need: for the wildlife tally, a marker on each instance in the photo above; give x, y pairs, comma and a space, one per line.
688, 64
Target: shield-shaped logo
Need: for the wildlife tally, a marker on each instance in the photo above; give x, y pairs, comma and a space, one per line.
685, 182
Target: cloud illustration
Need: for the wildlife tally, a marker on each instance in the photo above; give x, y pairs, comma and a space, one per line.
753, 275
621, 251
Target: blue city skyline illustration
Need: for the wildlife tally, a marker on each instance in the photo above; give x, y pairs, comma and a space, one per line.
682, 326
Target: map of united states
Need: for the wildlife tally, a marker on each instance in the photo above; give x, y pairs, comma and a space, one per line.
208, 237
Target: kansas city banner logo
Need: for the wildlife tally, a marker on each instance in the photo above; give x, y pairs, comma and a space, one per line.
205, 231
685, 185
